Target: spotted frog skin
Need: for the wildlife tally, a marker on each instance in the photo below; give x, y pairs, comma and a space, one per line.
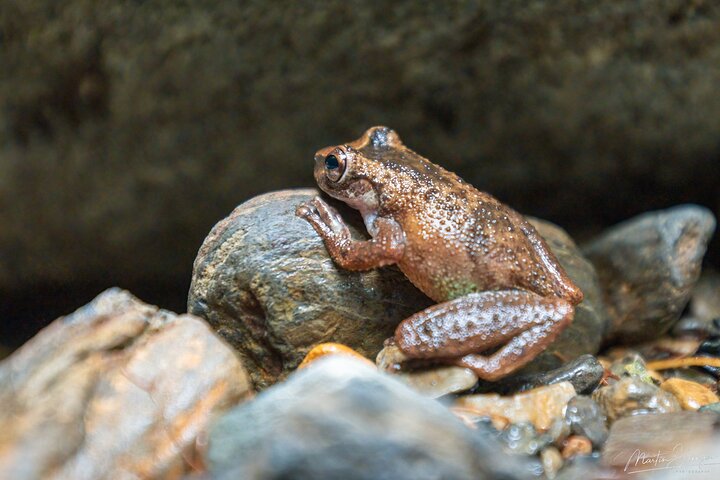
498, 286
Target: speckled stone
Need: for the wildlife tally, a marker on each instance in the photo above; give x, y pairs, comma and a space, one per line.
540, 406
264, 281
632, 396
648, 266
691, 395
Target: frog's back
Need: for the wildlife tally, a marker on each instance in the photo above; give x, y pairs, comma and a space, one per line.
510, 253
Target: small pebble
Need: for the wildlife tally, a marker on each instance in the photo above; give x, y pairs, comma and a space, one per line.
552, 461
691, 395
696, 327
693, 375
632, 396
711, 407
576, 445
584, 373
323, 349
586, 418
439, 381
631, 365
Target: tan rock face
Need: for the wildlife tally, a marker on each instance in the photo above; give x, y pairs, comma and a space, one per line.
118, 388
540, 406
691, 395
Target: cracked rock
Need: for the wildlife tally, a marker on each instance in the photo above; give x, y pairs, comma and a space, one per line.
118, 389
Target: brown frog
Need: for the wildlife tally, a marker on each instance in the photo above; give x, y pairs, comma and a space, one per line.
502, 289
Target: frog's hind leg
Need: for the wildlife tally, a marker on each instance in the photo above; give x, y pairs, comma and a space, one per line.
524, 321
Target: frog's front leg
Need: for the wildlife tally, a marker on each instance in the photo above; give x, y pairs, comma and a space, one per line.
459, 330
385, 248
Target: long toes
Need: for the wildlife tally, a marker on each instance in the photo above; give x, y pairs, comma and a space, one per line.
329, 215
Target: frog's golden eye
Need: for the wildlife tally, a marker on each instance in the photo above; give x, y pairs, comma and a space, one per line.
335, 165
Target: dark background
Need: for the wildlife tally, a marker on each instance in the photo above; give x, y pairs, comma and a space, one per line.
128, 128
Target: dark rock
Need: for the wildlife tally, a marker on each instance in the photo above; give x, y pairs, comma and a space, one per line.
696, 327
584, 373
118, 389
632, 396
635, 441
339, 418
264, 281
586, 418
648, 266
710, 347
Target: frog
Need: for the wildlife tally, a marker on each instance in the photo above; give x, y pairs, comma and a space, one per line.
501, 296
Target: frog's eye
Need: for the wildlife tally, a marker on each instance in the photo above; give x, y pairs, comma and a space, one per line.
335, 165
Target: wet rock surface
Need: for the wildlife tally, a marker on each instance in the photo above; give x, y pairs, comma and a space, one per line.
691, 395
339, 418
648, 266
118, 389
264, 281
541, 406
584, 373
670, 438
632, 396
586, 418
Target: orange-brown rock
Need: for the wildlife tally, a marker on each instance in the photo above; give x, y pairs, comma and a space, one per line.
540, 406
691, 395
330, 348
576, 445
118, 389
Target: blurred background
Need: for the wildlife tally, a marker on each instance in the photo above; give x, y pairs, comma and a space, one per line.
128, 127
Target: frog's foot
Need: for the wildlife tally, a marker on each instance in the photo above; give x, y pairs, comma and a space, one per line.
385, 248
524, 321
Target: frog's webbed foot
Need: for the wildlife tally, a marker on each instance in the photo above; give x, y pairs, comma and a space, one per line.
385, 248
456, 331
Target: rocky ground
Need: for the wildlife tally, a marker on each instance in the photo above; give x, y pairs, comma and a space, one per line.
281, 369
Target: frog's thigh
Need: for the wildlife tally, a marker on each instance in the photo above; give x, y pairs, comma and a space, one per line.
480, 321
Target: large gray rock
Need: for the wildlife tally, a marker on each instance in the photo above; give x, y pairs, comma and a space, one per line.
648, 266
340, 418
128, 128
118, 389
265, 282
